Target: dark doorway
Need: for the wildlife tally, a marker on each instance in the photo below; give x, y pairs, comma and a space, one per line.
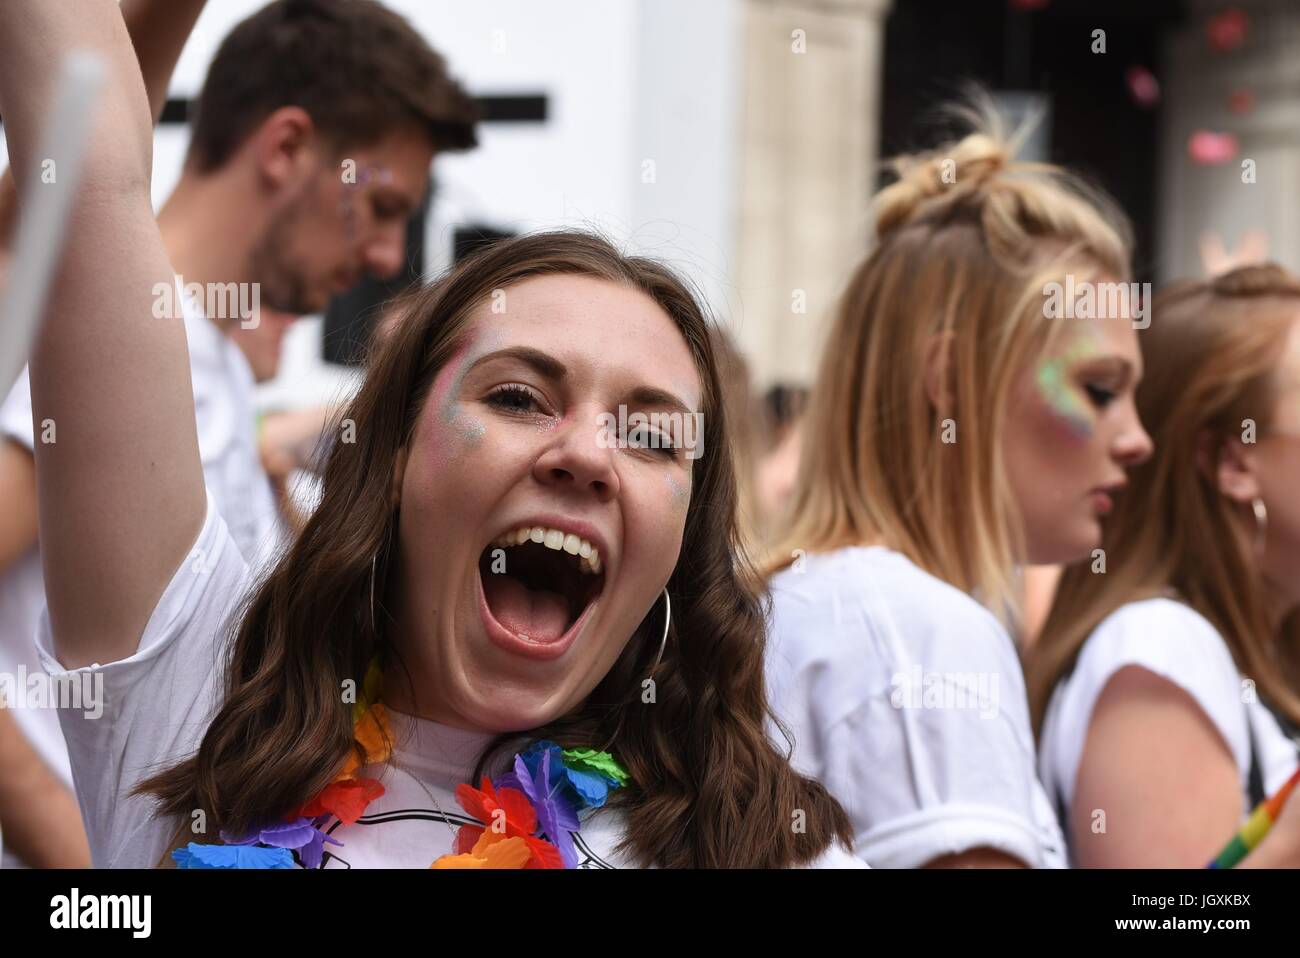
933, 47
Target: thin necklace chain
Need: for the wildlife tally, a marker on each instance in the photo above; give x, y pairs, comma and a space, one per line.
425, 788
418, 781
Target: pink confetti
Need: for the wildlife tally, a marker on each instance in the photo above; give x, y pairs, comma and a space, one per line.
1226, 31
1211, 149
1143, 86
1241, 102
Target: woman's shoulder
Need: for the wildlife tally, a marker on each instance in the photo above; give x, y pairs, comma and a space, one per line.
1167, 638
876, 595
1163, 635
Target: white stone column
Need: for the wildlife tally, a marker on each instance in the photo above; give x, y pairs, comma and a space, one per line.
807, 166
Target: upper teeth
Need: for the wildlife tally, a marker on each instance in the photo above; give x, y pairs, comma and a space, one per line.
557, 539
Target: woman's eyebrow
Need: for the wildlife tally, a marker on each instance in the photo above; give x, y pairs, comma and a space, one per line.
653, 396
544, 363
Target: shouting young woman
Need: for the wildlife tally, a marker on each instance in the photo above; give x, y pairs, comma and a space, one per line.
506, 637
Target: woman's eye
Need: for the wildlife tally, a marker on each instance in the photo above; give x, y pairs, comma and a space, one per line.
643, 437
1100, 395
513, 398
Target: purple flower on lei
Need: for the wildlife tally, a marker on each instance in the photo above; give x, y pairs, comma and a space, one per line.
556, 815
303, 835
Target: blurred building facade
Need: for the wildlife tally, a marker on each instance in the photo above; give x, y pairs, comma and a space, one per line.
808, 146
740, 139
1250, 94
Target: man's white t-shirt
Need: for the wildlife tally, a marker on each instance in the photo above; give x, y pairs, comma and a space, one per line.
1169, 639
226, 422
905, 697
160, 701
22, 594
226, 414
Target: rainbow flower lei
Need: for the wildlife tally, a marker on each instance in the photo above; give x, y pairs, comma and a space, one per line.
529, 815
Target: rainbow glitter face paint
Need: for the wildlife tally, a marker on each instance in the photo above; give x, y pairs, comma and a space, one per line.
449, 407
1065, 401
447, 393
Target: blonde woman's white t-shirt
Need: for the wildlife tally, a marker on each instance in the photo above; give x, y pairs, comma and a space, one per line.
159, 702
1180, 645
906, 698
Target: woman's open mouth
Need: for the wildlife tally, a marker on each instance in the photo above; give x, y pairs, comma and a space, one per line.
537, 587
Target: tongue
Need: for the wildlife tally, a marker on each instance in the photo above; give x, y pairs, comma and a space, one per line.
535, 613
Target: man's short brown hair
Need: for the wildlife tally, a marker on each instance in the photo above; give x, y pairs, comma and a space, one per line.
358, 69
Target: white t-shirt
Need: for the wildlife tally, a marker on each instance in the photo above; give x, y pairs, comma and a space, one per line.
160, 701
225, 412
232, 468
1177, 643
905, 697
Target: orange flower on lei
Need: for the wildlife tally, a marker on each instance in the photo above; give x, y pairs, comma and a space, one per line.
374, 734
509, 815
492, 850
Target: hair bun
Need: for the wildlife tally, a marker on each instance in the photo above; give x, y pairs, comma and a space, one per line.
960, 169
1257, 279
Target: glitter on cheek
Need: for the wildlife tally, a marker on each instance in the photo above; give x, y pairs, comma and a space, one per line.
681, 494
472, 431
1063, 403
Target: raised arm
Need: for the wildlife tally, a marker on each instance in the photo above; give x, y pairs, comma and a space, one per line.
121, 489
158, 29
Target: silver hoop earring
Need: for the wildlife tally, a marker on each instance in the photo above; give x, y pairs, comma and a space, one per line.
668, 618
1261, 522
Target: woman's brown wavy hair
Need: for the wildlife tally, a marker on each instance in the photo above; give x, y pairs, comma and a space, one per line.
708, 787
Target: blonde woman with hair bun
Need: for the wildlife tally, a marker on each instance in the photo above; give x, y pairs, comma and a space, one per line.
1165, 689
959, 428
